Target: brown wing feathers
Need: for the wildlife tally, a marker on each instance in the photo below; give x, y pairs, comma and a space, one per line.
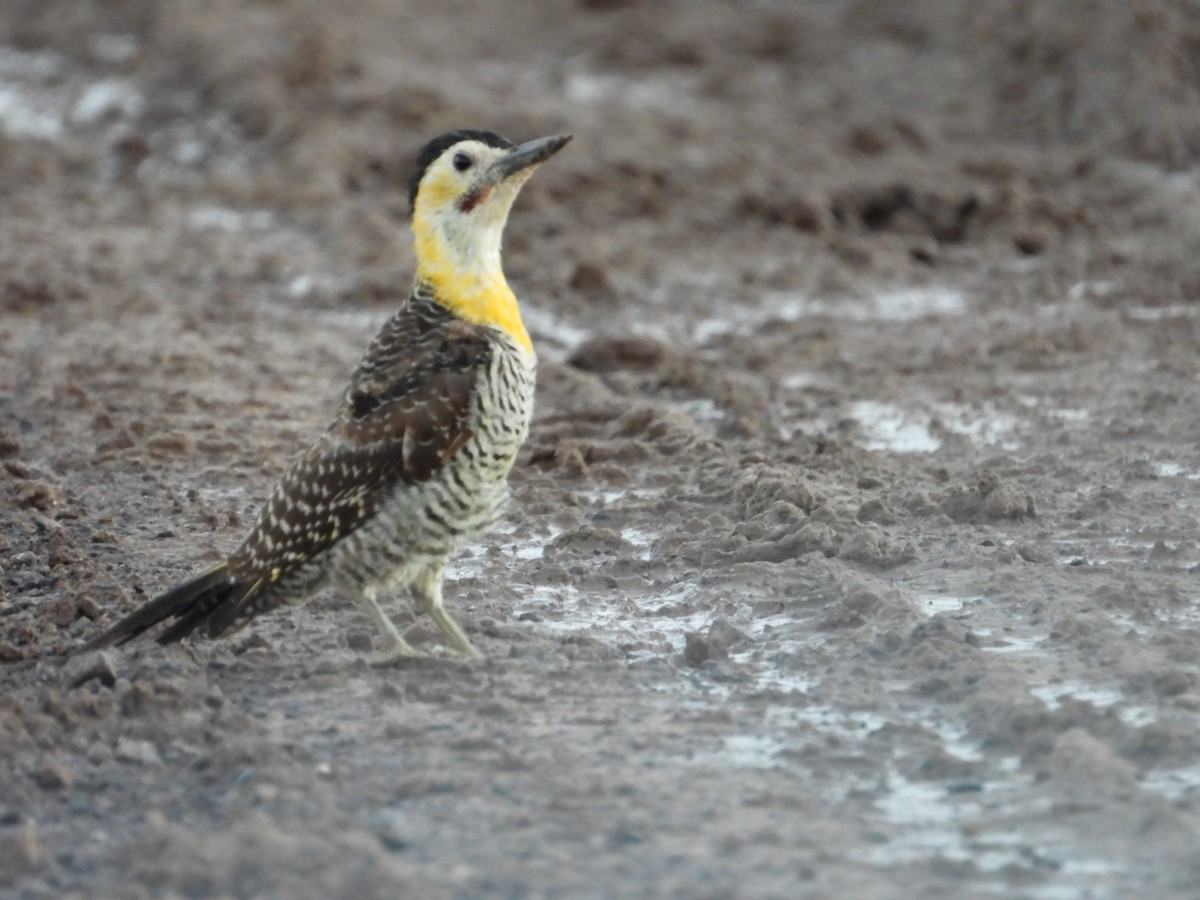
402, 418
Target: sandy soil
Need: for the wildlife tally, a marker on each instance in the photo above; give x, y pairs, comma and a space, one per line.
854, 550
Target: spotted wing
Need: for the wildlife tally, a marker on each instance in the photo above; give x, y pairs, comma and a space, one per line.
402, 418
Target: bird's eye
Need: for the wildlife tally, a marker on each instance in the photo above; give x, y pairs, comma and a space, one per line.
462, 162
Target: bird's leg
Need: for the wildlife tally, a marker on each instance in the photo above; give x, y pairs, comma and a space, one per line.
427, 591
395, 646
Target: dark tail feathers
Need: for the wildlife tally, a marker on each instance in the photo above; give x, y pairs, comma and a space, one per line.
188, 604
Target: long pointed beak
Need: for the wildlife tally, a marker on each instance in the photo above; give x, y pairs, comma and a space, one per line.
528, 154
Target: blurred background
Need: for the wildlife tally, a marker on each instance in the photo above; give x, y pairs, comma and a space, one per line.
776, 134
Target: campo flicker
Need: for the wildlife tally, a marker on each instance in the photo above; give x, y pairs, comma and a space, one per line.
415, 462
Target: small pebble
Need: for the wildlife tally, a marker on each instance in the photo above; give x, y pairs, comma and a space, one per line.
53, 777
97, 664
394, 832
135, 751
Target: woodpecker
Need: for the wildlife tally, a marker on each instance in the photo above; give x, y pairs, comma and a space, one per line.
416, 460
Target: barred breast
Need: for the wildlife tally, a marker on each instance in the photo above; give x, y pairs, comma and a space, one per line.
425, 523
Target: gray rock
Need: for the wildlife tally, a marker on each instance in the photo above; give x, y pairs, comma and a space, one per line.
135, 751
394, 831
79, 670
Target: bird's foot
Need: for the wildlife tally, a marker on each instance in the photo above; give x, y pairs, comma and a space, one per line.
392, 652
465, 653
458, 645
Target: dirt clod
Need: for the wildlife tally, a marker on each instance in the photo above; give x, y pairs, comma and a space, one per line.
21, 853
696, 649
37, 495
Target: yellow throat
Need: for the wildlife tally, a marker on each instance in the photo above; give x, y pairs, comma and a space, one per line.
458, 255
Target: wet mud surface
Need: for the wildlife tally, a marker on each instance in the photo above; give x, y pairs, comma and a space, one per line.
853, 551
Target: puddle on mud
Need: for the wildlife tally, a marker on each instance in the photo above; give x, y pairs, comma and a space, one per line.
933, 822
1123, 549
1009, 642
44, 97
898, 306
220, 218
975, 827
743, 751
824, 719
1070, 415
918, 820
1158, 313
39, 100
905, 305
934, 604
31, 104
894, 429
565, 610
642, 541
890, 428
796, 381
1135, 716
22, 117
1173, 784
107, 98
554, 337
1081, 290
909, 305
666, 94
986, 426
622, 618
704, 413
1175, 470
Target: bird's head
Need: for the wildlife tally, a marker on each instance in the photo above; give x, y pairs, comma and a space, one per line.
460, 192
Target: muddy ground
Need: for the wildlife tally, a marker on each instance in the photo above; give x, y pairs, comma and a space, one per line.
853, 553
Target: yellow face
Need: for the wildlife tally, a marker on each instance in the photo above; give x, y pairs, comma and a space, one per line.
464, 181
458, 221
